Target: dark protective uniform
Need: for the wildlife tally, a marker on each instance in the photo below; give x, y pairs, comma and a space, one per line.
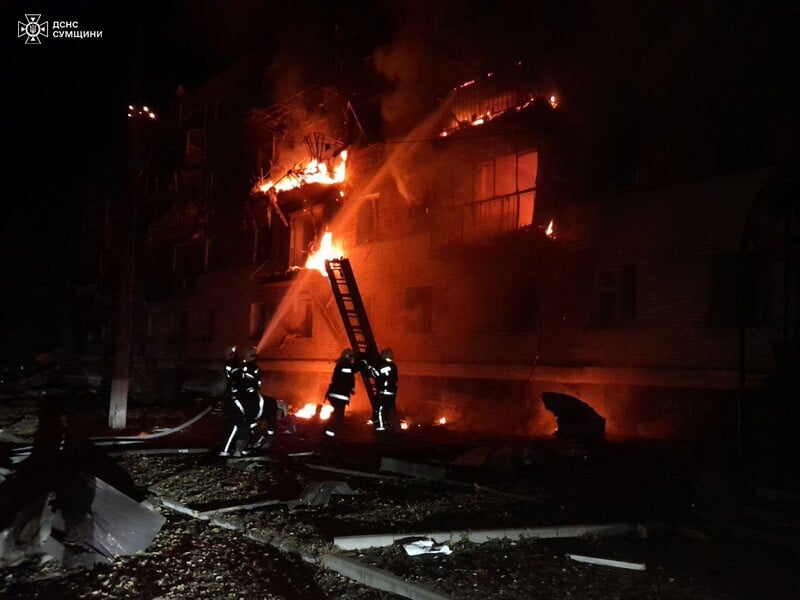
246, 406
384, 412
342, 386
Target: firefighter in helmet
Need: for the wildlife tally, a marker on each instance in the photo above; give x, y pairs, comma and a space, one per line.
384, 412
246, 406
342, 386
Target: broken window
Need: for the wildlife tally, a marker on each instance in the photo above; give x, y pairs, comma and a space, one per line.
615, 296
419, 305
257, 319
195, 145
367, 219
738, 292
261, 243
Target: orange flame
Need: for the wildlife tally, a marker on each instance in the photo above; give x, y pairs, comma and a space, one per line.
310, 410
441, 421
327, 250
549, 231
314, 172
403, 424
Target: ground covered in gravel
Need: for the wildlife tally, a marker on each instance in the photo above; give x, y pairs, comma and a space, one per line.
526, 483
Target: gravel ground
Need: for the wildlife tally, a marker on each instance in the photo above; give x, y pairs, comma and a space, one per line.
194, 558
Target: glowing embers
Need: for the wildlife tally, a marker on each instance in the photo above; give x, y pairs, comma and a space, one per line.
327, 250
327, 172
309, 411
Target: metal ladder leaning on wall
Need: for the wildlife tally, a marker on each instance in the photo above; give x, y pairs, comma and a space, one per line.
354, 316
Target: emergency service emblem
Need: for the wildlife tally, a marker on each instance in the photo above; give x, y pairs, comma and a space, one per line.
32, 29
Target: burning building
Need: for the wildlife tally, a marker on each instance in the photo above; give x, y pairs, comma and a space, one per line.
481, 257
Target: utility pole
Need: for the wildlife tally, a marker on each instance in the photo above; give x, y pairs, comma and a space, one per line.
120, 382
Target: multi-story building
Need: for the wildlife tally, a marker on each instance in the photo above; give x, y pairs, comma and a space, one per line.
488, 258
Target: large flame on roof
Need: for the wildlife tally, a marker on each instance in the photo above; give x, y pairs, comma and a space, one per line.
327, 250
315, 171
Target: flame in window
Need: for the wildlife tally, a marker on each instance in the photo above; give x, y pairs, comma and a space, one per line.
327, 250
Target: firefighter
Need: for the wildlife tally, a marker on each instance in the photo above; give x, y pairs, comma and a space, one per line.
246, 406
342, 386
384, 412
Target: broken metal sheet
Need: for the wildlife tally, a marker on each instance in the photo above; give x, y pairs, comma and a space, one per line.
56, 550
104, 519
394, 465
620, 564
319, 493
576, 420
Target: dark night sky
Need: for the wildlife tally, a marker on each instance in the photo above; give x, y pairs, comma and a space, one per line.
65, 99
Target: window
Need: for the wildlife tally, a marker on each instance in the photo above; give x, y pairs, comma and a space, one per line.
260, 243
195, 145
257, 319
615, 296
504, 195
300, 318
506, 175
738, 292
419, 305
367, 219
302, 238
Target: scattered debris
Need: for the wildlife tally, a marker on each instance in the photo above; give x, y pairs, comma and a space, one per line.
394, 465
86, 515
577, 420
361, 542
416, 546
235, 508
499, 458
592, 560
319, 493
378, 579
346, 471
